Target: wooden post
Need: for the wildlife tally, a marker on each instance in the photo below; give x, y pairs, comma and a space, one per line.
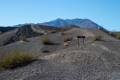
78, 42
83, 40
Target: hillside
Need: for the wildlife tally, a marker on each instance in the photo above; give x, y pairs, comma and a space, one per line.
31, 39
5, 29
24, 31
59, 54
116, 34
96, 60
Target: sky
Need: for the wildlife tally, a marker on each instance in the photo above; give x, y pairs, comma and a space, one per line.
104, 12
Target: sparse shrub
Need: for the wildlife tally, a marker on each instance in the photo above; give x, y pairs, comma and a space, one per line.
63, 33
116, 35
16, 59
61, 30
98, 38
66, 39
46, 51
53, 31
113, 35
24, 39
47, 41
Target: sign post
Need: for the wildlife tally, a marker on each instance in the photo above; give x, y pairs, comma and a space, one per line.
83, 40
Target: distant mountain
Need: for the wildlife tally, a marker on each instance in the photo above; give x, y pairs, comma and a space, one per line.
61, 23
82, 23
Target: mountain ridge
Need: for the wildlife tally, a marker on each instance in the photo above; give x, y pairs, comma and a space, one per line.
82, 23
59, 22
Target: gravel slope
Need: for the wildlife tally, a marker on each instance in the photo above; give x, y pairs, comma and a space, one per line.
33, 45
99, 60
93, 62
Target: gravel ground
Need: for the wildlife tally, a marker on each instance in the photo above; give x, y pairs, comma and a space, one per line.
95, 61
99, 60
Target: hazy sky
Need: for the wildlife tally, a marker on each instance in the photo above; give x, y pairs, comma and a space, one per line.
104, 12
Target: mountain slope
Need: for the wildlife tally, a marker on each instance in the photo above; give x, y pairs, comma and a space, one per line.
116, 34
24, 31
34, 43
96, 61
5, 29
